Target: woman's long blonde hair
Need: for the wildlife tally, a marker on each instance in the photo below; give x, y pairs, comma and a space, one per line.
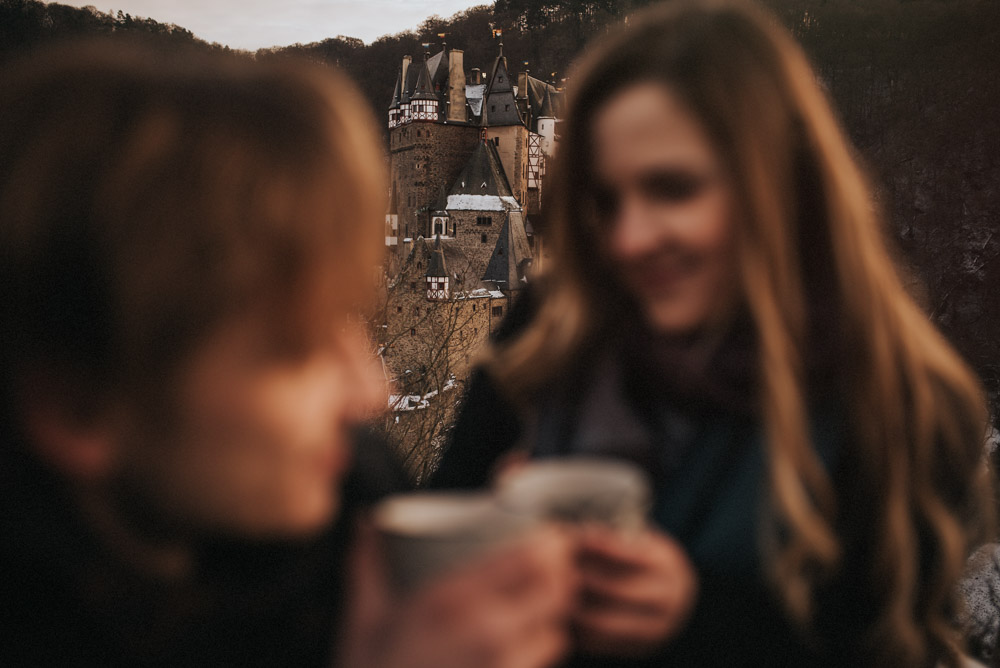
812, 256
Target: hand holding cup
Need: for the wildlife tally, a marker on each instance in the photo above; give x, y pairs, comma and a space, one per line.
637, 585
483, 588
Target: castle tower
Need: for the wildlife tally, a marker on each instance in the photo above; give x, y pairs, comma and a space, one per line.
499, 105
423, 102
547, 124
478, 202
437, 274
506, 128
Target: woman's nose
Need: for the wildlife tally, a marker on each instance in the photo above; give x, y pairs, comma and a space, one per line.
636, 230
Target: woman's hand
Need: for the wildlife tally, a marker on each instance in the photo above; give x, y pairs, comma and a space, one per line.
636, 591
509, 609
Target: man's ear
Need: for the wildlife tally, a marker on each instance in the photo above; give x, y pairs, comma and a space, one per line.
70, 429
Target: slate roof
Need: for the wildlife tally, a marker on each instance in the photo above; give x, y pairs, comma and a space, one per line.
437, 66
499, 106
457, 263
544, 101
511, 257
482, 184
411, 82
423, 89
396, 92
437, 266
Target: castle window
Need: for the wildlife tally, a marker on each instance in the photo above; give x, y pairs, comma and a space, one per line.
493, 107
420, 265
413, 285
500, 78
483, 238
497, 311
496, 141
418, 133
506, 107
399, 309
484, 220
416, 311
413, 332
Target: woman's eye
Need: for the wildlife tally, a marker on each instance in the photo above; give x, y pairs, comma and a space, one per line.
673, 186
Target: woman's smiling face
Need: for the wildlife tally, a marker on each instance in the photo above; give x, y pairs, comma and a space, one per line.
665, 202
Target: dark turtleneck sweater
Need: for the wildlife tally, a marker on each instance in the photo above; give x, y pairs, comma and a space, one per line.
65, 600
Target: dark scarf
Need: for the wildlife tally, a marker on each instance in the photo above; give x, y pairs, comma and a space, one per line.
641, 397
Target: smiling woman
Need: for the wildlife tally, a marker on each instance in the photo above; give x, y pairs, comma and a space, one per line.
721, 309
665, 204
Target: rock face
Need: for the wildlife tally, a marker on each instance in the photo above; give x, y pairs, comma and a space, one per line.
981, 590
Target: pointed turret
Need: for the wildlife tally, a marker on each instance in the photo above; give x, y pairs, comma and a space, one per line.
511, 260
423, 101
499, 105
394, 105
438, 288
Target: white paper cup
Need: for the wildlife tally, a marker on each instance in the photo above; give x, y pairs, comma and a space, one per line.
426, 534
578, 490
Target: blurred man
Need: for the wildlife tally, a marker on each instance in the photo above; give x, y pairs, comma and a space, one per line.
185, 240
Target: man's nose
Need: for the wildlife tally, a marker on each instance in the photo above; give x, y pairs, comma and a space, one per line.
367, 381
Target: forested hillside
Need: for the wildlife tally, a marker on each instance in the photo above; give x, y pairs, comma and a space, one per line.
916, 82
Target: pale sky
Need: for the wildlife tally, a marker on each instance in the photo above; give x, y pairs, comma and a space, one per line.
252, 24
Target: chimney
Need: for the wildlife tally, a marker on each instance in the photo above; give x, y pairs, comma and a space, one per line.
476, 77
522, 84
456, 87
406, 66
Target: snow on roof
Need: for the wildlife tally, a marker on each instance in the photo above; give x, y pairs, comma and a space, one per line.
481, 203
496, 294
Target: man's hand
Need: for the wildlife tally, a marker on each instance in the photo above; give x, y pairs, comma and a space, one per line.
508, 609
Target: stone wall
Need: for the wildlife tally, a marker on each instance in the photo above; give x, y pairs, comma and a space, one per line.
423, 159
425, 342
469, 236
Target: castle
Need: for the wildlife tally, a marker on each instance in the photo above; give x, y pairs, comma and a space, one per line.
467, 154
